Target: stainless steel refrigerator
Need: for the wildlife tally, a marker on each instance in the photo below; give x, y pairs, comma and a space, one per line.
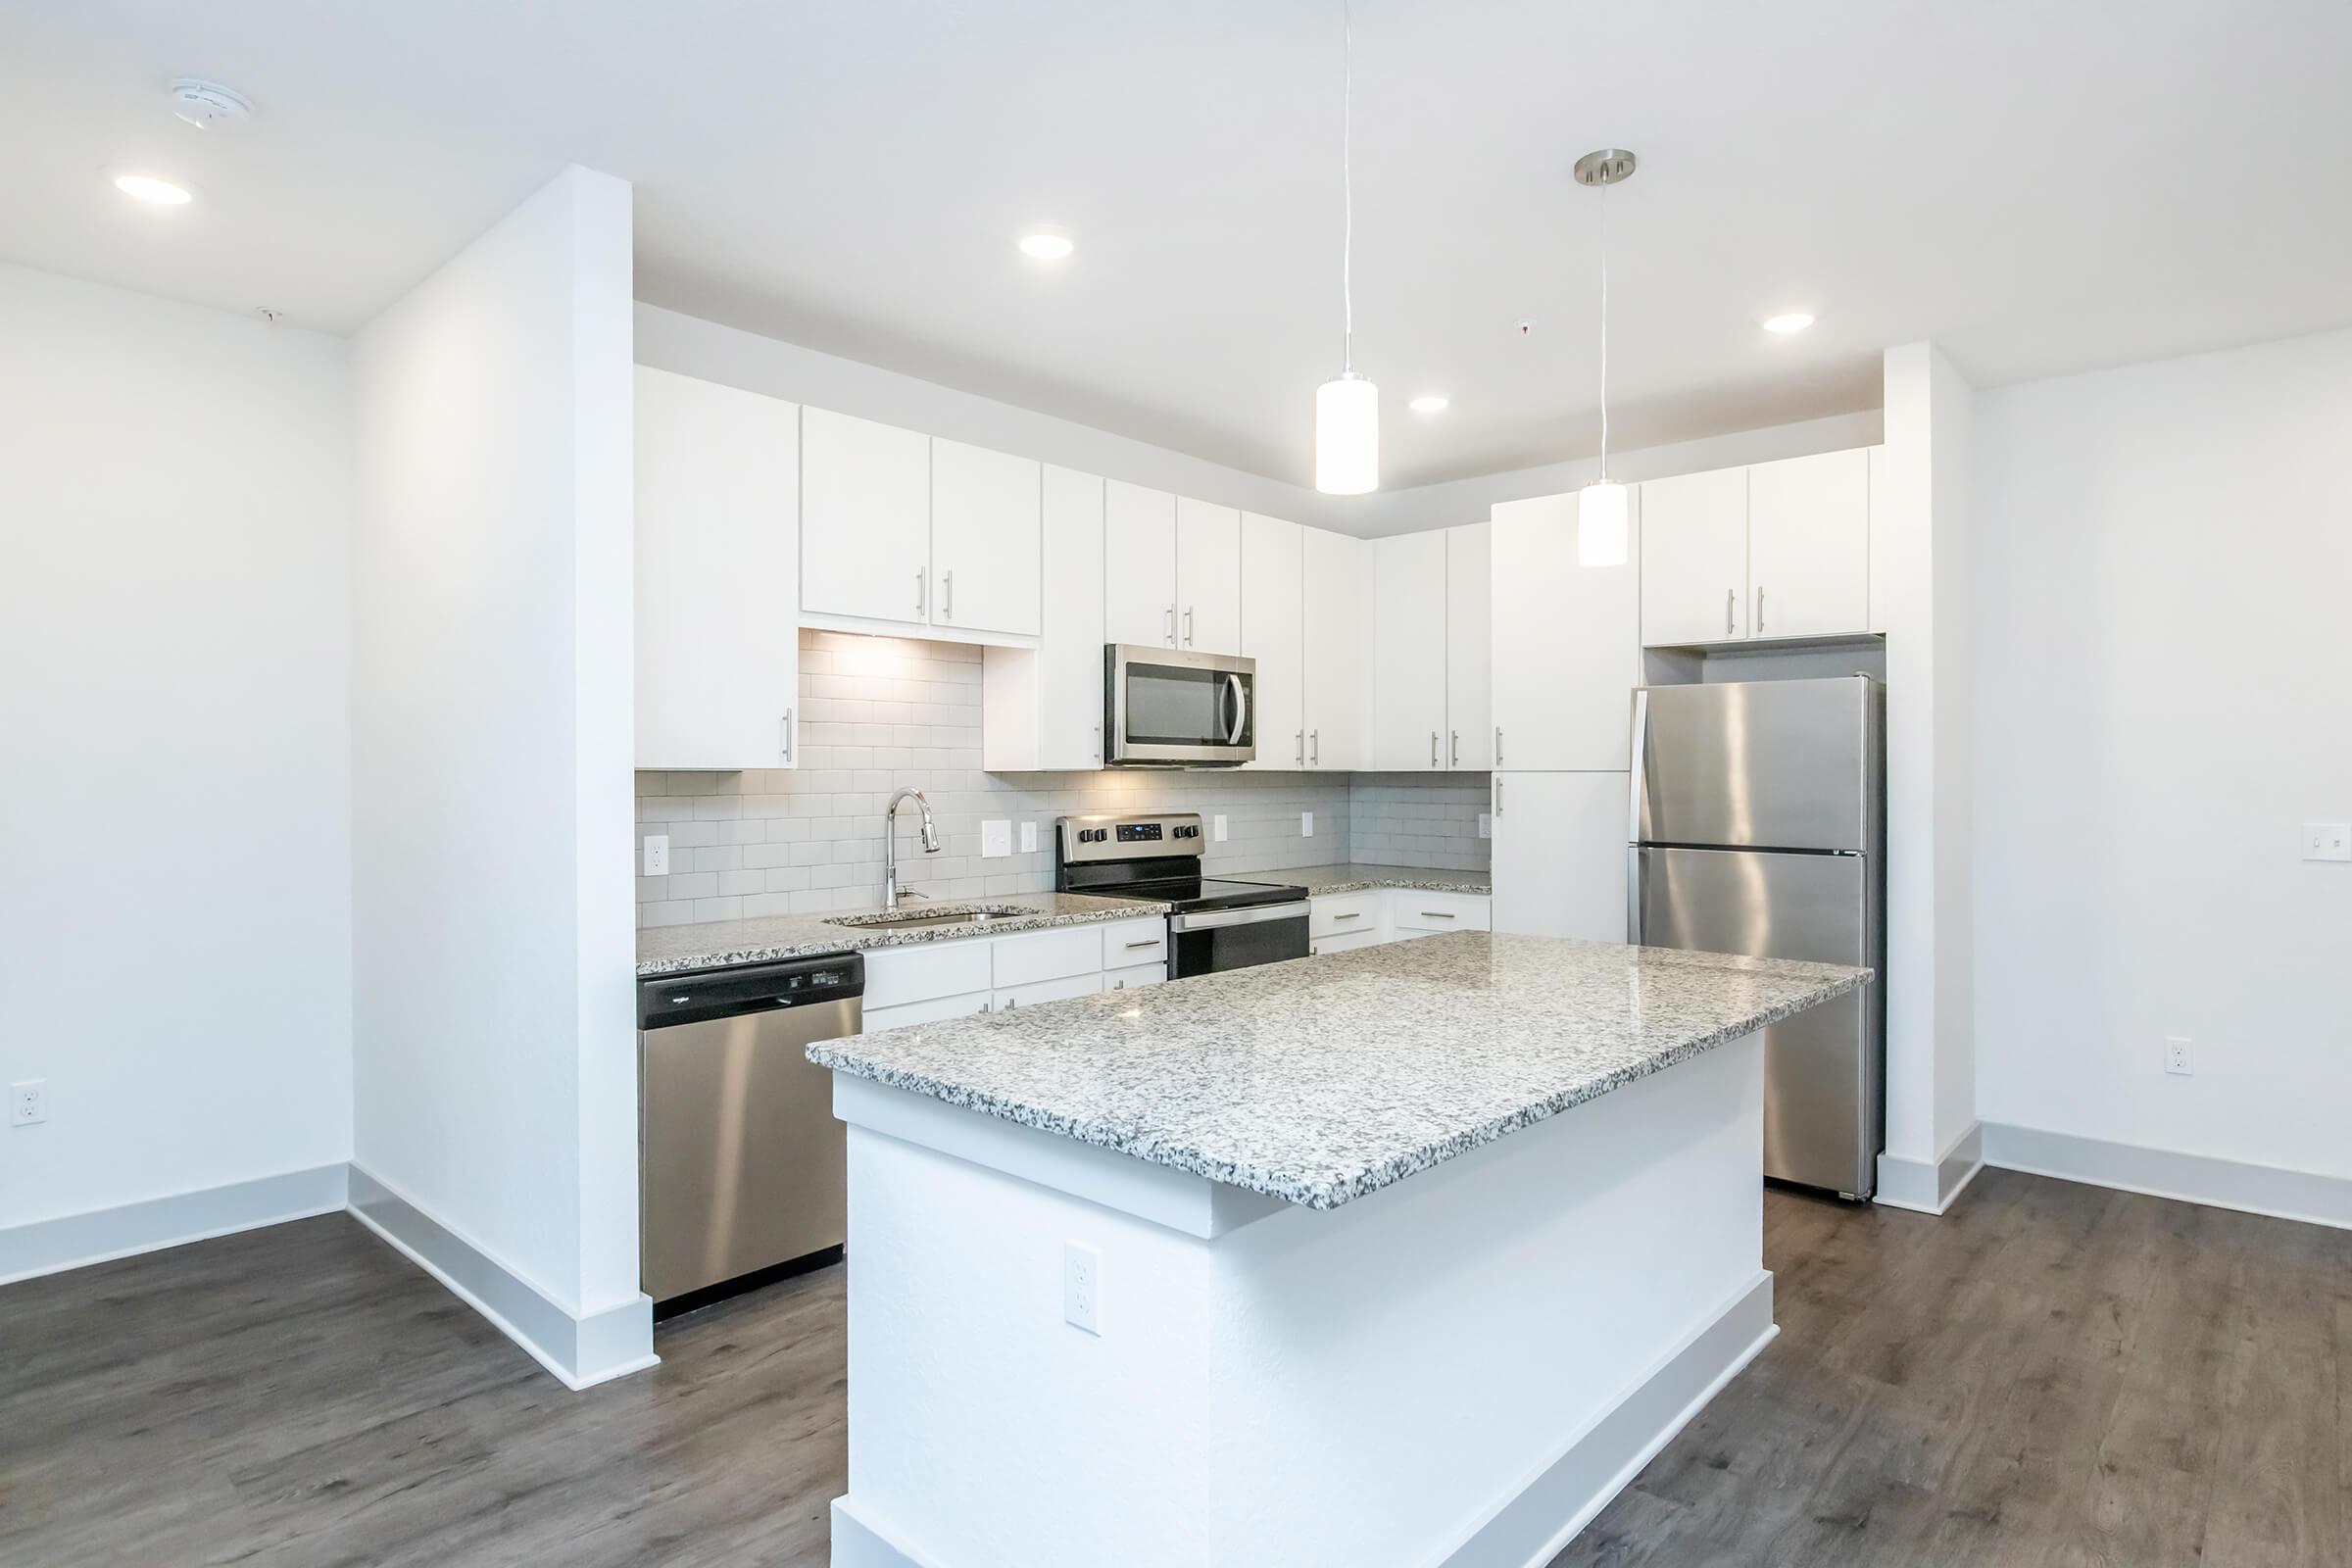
1759, 827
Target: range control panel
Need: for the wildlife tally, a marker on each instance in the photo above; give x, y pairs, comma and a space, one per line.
1135, 837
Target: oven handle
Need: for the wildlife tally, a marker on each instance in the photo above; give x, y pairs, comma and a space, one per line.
1210, 920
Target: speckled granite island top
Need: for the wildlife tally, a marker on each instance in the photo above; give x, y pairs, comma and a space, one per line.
1357, 877
715, 944
1322, 1079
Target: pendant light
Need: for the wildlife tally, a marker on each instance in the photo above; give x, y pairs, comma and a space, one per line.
1348, 410
1603, 525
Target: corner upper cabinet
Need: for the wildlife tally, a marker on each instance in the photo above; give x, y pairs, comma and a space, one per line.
1208, 577
1041, 707
1139, 565
717, 563
1408, 652
1470, 647
985, 540
1274, 634
1808, 546
1695, 557
866, 520
1567, 642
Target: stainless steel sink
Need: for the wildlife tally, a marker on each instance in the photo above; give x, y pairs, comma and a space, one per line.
935, 915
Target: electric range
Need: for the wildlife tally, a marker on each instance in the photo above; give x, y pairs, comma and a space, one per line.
1215, 924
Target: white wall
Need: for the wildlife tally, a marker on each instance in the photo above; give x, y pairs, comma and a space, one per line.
494, 1049
174, 926
2164, 556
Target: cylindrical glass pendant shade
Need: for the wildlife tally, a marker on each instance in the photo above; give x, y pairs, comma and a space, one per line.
1347, 436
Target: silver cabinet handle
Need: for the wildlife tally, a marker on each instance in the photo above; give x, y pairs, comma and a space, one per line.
1152, 942
1098, 743
1453, 756
1437, 914
1299, 736
1356, 916
946, 596
1499, 746
1171, 626
1498, 794
1432, 748
1759, 610
787, 729
1731, 608
1187, 625
918, 593
1315, 738
1011, 1003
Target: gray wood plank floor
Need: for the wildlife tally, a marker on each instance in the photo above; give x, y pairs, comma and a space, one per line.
2050, 1375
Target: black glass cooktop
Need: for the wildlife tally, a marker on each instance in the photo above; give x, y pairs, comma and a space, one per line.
1202, 893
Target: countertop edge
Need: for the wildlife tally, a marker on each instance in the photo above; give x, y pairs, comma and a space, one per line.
851, 939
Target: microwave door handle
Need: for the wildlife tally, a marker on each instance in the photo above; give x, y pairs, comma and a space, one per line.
1241, 709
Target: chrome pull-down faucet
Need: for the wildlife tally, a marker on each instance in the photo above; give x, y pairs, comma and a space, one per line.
890, 844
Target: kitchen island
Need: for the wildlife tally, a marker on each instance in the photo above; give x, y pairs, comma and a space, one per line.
1408, 1255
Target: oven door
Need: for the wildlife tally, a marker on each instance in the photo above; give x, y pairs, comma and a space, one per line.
1166, 708
1211, 940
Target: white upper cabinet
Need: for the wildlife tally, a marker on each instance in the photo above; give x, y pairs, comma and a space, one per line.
1567, 642
866, 520
1408, 652
1469, 647
1808, 544
1878, 521
984, 540
1695, 547
1273, 634
1335, 604
1139, 565
1042, 707
1208, 577
718, 545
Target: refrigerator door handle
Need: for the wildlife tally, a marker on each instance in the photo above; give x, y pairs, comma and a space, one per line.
1632, 897
1635, 778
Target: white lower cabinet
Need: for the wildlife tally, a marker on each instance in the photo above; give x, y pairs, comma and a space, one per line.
1128, 943
1142, 974
929, 1010
1340, 914
926, 982
1414, 913
1339, 922
1317, 945
1041, 990
1560, 854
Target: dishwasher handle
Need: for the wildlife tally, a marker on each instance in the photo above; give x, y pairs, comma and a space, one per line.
747, 987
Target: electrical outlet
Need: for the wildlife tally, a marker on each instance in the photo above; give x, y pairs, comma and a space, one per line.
1217, 827
656, 855
2328, 841
2175, 1055
1028, 838
28, 1102
1485, 824
1306, 824
995, 840
1082, 1287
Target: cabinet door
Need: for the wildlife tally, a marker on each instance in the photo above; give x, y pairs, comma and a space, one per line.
1408, 651
1069, 712
1273, 602
1139, 565
1695, 557
1560, 854
865, 518
1567, 650
1333, 617
1469, 647
717, 499
1877, 531
1808, 544
1208, 577
984, 532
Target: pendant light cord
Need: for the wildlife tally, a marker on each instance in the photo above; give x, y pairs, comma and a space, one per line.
1604, 329
1346, 189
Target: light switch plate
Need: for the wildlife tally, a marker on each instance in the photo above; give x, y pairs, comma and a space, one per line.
1306, 824
995, 839
2328, 841
1217, 827
1485, 824
656, 855
1028, 838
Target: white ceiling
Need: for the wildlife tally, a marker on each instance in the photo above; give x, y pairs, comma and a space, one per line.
2044, 187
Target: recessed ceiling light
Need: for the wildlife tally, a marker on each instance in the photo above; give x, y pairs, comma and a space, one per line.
1047, 244
1426, 403
149, 188
1794, 321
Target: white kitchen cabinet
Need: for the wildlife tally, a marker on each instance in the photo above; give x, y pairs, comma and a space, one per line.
1808, 544
866, 520
1560, 854
986, 530
1273, 634
1034, 955
717, 575
1129, 943
1416, 913
1469, 647
1695, 557
1343, 943
1344, 915
1139, 565
1408, 652
1208, 577
1567, 651
930, 1010
1877, 524
1042, 708
1038, 991
1135, 977
1334, 615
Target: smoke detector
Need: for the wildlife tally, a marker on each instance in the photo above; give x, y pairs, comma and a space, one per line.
207, 104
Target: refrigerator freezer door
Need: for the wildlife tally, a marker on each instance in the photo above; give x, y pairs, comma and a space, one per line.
1777, 764
1821, 1067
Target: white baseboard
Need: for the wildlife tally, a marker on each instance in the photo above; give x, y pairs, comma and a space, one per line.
74, 1241
582, 1352
1931, 1186
2272, 1190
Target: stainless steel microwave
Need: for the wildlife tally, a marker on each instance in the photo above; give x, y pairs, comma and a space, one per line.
1165, 708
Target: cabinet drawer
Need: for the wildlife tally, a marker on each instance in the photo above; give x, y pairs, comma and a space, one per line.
1029, 996
1142, 974
929, 1010
1342, 943
1134, 942
920, 974
1421, 912
1048, 956
1343, 914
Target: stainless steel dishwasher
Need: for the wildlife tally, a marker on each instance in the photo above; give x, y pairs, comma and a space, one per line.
742, 1173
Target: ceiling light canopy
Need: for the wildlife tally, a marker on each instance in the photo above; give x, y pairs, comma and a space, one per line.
1791, 322
152, 188
1426, 403
1348, 410
1604, 523
1047, 244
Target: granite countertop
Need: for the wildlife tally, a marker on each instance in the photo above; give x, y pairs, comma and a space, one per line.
1358, 877
715, 944
1322, 1079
